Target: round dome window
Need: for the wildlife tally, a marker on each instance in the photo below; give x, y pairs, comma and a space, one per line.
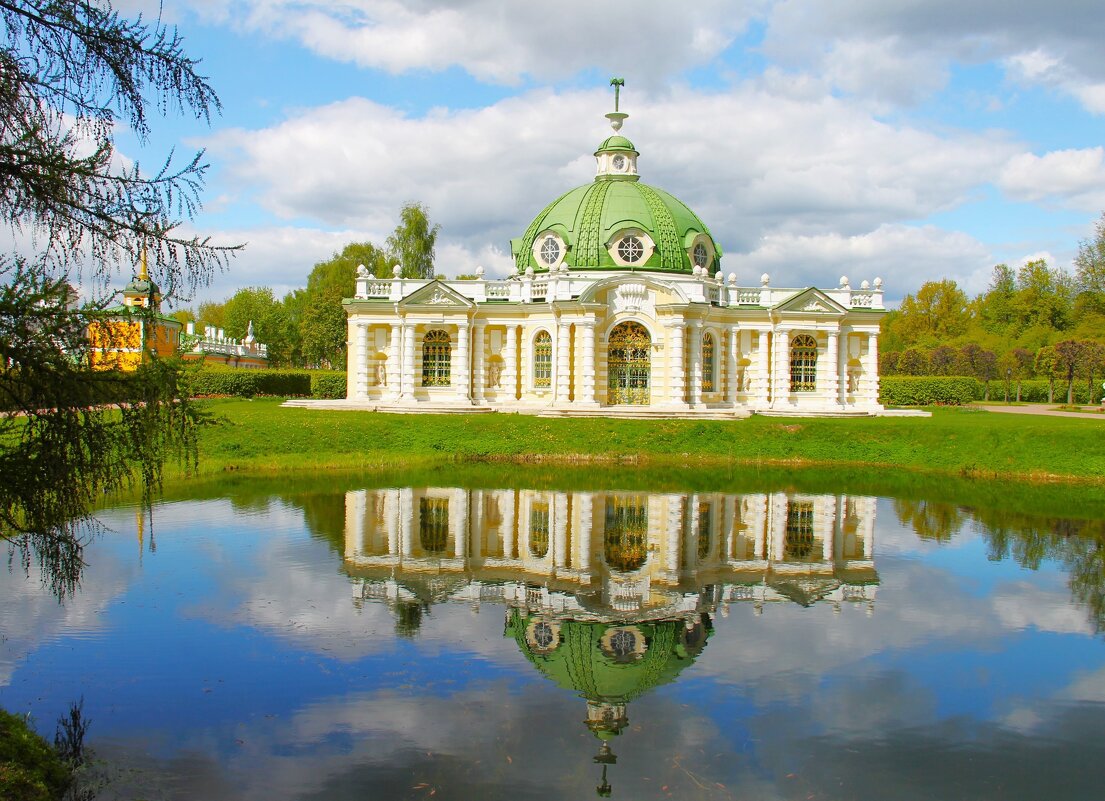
631, 249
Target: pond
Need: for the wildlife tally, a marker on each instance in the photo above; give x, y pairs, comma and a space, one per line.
511, 635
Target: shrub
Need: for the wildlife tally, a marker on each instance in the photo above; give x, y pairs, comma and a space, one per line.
328, 384
904, 390
247, 383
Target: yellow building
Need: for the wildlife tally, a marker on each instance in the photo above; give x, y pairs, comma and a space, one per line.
122, 334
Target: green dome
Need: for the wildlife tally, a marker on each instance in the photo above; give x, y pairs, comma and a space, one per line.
587, 218
579, 662
139, 286
616, 142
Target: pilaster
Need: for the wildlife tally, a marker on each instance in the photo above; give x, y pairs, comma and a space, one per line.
461, 371
831, 391
676, 374
563, 374
586, 394
478, 359
694, 328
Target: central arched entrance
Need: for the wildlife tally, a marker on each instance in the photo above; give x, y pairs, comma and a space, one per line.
629, 365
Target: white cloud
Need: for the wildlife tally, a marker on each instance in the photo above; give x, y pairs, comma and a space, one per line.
1076, 177
494, 44
758, 166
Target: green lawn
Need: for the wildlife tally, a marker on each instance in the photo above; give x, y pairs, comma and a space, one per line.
259, 435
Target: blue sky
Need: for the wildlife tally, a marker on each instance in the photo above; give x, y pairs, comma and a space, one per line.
910, 141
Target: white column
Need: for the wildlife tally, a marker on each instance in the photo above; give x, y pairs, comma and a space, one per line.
393, 512
510, 363
674, 535
406, 521
695, 329
560, 529
829, 528
586, 393
780, 378
476, 534
778, 530
478, 379
407, 386
394, 371
831, 374
732, 356
510, 513
690, 536
675, 363
359, 373
585, 500
460, 371
355, 523
865, 508
458, 518
842, 369
563, 374
871, 370
761, 385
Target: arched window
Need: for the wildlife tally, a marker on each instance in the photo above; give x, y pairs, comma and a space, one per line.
539, 530
701, 255
436, 354
542, 360
707, 362
803, 364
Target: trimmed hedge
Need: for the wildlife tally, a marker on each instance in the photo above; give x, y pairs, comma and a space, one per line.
244, 383
917, 390
247, 383
924, 390
328, 384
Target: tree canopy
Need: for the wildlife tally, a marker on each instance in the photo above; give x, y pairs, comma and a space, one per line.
73, 73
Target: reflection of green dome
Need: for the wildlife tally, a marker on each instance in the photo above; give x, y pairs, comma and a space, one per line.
588, 220
581, 659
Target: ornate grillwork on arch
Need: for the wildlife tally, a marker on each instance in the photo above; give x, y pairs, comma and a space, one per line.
707, 362
436, 357
803, 364
625, 533
542, 360
629, 364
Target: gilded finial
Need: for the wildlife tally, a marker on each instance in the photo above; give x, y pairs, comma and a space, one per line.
145, 273
617, 117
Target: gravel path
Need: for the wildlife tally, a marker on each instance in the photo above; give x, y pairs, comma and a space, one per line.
1043, 408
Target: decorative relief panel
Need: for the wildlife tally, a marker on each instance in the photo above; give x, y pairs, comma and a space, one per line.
633, 297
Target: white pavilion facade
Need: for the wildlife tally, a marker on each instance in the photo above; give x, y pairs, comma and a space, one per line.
617, 305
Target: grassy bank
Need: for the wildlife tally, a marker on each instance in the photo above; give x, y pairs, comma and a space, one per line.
259, 435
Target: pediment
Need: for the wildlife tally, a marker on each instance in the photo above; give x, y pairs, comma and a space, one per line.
811, 301
437, 294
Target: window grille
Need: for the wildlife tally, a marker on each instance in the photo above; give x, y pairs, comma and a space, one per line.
539, 530
436, 355
707, 362
542, 360
433, 524
799, 541
803, 364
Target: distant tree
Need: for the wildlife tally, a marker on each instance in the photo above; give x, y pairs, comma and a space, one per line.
258, 306
944, 360
1070, 356
1089, 264
1047, 365
936, 314
211, 313
914, 361
183, 316
1044, 298
995, 306
980, 363
888, 362
413, 241
1093, 366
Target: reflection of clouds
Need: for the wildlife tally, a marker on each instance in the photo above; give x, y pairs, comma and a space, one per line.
1022, 604
486, 740
31, 615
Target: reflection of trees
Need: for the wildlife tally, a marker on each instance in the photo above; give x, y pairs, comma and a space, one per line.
1079, 545
408, 618
930, 519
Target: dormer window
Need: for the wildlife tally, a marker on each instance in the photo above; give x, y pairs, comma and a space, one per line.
549, 250
701, 255
630, 249
701, 252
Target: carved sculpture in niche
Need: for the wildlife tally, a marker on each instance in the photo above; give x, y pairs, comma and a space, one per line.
495, 374
853, 380
381, 374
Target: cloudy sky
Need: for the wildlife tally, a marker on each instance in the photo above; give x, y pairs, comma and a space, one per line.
911, 141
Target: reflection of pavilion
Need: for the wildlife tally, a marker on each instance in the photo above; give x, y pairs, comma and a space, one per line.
610, 555
609, 593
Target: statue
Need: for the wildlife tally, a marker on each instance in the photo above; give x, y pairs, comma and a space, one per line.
381, 375
494, 375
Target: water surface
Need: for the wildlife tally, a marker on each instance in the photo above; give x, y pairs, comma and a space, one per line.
457, 639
